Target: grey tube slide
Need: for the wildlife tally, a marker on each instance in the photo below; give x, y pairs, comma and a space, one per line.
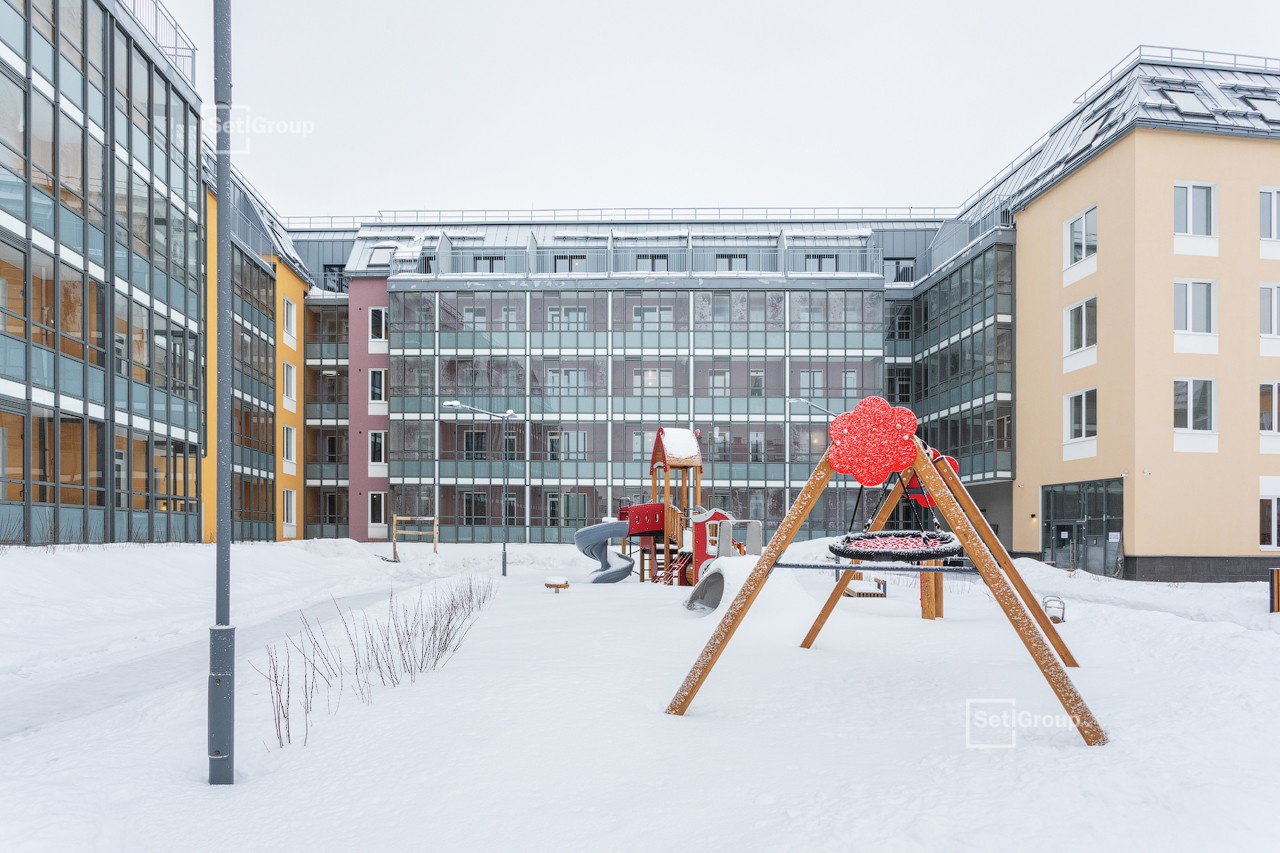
594, 542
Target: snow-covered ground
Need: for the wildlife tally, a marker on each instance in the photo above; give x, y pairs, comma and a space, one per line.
546, 731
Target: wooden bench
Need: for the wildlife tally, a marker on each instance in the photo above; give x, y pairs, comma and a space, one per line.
557, 584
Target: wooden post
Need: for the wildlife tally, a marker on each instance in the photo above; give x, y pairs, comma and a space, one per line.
666, 532
983, 560
937, 594
395, 553
435, 533
746, 596
928, 598
882, 518
992, 542
1275, 590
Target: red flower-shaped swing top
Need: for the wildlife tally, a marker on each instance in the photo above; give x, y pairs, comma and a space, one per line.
871, 443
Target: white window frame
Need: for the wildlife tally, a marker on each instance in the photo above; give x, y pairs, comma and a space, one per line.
1188, 438
382, 506
1068, 237
381, 445
380, 386
752, 375
289, 509
289, 381
805, 378
1190, 286
1188, 226
1189, 104
851, 389
1080, 309
1085, 444
1269, 319
472, 313
1274, 385
380, 311
1275, 523
1269, 199
289, 322
663, 319
665, 385
289, 444
719, 382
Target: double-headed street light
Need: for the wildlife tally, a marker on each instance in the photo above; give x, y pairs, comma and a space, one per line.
505, 417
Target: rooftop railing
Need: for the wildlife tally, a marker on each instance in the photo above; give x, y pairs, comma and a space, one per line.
1182, 56
167, 34
626, 214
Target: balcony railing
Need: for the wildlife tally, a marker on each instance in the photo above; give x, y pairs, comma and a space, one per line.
489, 262
844, 260
651, 259
168, 36
331, 471
593, 260
735, 259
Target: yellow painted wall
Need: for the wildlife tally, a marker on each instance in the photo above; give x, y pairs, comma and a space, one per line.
1195, 504
290, 286
208, 464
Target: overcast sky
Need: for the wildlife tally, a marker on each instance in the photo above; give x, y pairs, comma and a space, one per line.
376, 104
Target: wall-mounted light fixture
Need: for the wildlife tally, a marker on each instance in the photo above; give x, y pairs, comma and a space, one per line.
1033, 516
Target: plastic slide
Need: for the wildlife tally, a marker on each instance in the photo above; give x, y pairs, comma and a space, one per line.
594, 542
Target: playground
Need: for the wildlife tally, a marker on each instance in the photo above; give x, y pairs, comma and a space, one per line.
943, 710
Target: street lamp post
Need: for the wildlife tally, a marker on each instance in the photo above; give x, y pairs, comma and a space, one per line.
505, 417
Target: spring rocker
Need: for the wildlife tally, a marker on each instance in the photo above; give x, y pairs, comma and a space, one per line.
870, 443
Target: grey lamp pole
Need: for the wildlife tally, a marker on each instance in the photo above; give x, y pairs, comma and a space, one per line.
222, 636
810, 405
505, 417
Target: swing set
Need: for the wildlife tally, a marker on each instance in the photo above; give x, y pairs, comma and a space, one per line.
871, 443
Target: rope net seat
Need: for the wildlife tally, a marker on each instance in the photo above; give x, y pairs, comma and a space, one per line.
904, 545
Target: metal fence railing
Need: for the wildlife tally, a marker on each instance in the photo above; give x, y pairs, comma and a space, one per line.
168, 35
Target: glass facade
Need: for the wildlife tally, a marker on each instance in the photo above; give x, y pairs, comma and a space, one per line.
327, 408
962, 332
1083, 524
592, 373
100, 221
253, 422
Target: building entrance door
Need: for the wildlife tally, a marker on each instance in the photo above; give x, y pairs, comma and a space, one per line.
1064, 552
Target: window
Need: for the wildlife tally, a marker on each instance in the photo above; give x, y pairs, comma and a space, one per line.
289, 442
571, 263
509, 509
851, 383
1082, 325
568, 509
289, 507
1269, 107
377, 324
1269, 214
899, 382
1194, 210
567, 381
377, 447
651, 263
1082, 415
474, 510
651, 382
566, 319
290, 382
819, 263
719, 445
653, 317
719, 383
475, 318
811, 384
1268, 400
755, 446
567, 445
377, 385
1270, 309
377, 508
730, 262
757, 383
642, 444
1193, 307
290, 319
475, 444
1193, 405
1188, 103
1083, 236
380, 256
489, 263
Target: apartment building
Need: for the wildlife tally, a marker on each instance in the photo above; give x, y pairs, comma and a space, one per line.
100, 229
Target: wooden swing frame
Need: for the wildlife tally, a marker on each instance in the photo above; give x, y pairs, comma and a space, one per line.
989, 557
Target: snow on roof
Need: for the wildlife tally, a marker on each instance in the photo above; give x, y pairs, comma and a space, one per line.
675, 448
580, 235
651, 235
810, 232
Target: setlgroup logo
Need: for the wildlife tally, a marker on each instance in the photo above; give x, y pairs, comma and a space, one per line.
994, 723
245, 124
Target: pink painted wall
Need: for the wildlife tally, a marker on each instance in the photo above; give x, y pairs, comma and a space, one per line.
364, 293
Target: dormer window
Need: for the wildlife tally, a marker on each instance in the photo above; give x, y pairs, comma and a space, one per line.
380, 255
1188, 103
1269, 107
